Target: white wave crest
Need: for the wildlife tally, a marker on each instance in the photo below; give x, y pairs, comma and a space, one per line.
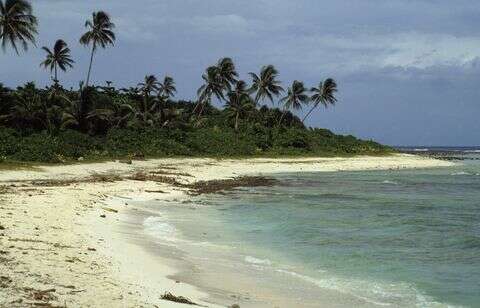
373, 292
390, 182
159, 228
256, 261
462, 173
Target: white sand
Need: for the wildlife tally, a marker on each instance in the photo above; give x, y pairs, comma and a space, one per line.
54, 237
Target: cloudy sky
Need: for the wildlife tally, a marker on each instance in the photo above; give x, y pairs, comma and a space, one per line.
408, 70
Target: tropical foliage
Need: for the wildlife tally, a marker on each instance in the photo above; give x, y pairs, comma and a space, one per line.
17, 24
57, 124
100, 34
57, 58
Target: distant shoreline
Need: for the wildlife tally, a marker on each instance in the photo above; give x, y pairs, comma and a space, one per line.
61, 232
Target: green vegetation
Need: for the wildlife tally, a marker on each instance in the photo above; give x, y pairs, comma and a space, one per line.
55, 124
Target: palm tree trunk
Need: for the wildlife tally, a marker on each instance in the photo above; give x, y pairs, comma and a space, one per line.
56, 74
306, 116
201, 110
236, 121
196, 107
283, 115
90, 66
203, 106
145, 103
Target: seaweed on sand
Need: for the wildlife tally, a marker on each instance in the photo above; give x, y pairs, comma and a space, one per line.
4, 189
94, 178
144, 177
177, 299
215, 186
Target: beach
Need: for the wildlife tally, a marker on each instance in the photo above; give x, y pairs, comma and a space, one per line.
66, 234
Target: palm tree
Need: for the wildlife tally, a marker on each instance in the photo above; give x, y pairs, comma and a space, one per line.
167, 88
214, 85
294, 99
78, 105
239, 103
100, 34
147, 87
17, 24
58, 58
116, 113
227, 73
266, 84
324, 94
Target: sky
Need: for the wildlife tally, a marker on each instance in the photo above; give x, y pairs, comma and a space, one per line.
408, 71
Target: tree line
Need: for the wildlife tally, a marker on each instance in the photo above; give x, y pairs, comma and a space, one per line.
18, 28
100, 110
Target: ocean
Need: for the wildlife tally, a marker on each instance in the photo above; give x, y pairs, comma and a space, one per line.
406, 238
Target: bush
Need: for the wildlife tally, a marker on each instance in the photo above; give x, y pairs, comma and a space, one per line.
9, 140
73, 144
216, 141
292, 138
38, 147
154, 142
219, 142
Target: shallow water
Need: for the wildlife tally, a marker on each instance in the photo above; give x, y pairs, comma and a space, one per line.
394, 238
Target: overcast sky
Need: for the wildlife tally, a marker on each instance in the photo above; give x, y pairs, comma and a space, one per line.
408, 70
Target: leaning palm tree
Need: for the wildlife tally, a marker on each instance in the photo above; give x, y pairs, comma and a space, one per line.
100, 34
324, 94
296, 96
213, 85
59, 57
266, 84
17, 24
167, 88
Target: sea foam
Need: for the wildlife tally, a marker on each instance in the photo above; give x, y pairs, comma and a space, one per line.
159, 228
253, 260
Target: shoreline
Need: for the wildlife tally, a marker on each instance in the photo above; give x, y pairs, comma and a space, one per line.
69, 238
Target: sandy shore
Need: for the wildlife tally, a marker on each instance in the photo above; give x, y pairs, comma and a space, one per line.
60, 240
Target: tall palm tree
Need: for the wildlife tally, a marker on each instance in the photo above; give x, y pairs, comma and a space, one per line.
296, 96
266, 84
100, 34
324, 94
239, 103
59, 57
17, 24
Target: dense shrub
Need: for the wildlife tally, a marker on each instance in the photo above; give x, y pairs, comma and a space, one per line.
38, 147
292, 138
154, 143
9, 139
73, 144
211, 141
219, 142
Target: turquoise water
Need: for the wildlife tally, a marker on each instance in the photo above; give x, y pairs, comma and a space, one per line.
403, 238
